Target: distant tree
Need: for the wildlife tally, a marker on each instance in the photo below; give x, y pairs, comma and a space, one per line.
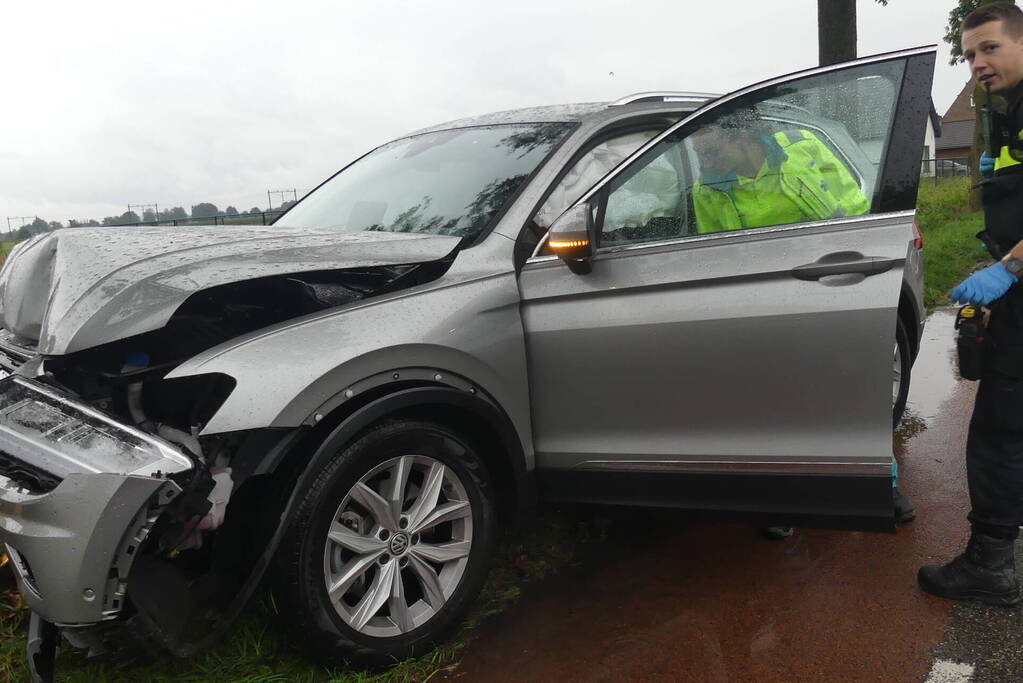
56, 225
72, 223
37, 226
23, 233
288, 204
92, 223
230, 211
205, 210
149, 216
255, 209
175, 214
111, 220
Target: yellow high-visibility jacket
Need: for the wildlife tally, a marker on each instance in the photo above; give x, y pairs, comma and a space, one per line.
802, 180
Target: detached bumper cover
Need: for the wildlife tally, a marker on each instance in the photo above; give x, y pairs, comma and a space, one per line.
79, 492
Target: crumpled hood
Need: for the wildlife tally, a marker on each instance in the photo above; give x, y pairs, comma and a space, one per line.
77, 288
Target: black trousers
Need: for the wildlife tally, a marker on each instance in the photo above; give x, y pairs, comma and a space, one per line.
994, 456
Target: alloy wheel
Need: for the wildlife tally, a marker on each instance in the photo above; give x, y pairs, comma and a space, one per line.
397, 546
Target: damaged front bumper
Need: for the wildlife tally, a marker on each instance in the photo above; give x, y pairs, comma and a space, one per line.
79, 492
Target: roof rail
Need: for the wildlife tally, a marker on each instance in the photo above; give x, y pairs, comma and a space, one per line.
666, 96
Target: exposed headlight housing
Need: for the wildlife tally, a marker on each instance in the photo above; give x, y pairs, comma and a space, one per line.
62, 437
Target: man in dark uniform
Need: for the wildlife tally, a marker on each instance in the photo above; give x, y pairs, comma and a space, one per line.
992, 42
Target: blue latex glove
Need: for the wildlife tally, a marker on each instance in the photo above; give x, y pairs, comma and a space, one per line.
987, 165
984, 286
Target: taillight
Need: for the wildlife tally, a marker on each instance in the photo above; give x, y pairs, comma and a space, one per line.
918, 237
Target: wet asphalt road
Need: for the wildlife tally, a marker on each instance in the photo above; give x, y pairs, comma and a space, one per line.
664, 599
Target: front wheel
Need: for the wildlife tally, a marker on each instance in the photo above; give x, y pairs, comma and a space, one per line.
389, 545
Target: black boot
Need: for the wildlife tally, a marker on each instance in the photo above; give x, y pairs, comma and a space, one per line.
904, 510
985, 572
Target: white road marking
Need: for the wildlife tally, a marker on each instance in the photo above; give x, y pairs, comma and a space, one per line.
944, 671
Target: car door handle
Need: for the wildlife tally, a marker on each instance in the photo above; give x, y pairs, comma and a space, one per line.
843, 263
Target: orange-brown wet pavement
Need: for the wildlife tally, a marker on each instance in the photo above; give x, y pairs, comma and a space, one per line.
663, 599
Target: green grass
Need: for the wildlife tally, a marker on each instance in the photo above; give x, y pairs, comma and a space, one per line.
951, 249
5, 249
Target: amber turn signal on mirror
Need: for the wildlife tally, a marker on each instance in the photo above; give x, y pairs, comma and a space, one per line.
560, 245
570, 238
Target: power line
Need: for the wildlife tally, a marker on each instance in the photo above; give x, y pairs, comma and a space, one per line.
281, 194
23, 219
155, 207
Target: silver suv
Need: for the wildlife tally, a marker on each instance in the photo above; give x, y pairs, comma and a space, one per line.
527, 305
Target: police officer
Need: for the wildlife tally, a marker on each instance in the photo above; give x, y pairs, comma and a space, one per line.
749, 180
992, 43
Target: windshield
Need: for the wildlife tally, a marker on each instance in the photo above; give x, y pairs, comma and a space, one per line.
450, 182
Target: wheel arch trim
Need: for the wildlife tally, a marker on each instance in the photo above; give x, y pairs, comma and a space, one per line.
409, 399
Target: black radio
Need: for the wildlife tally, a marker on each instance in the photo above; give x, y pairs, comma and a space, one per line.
971, 341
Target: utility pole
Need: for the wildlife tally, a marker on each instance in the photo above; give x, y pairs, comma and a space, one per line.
281, 194
23, 219
155, 207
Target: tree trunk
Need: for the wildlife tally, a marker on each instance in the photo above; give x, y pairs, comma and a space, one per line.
836, 31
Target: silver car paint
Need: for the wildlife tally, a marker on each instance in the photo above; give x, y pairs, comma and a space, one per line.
661, 340
78, 288
465, 323
70, 556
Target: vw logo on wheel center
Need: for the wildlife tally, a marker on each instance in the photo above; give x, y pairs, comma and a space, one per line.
399, 544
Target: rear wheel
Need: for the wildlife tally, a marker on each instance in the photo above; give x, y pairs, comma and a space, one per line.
900, 372
388, 547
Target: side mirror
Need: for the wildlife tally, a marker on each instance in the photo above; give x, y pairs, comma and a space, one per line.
571, 237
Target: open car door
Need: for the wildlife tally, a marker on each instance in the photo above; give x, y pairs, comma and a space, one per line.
730, 348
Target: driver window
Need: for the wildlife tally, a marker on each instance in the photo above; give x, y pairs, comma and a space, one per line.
810, 151
754, 173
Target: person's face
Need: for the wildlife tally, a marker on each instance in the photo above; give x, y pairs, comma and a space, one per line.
719, 149
994, 56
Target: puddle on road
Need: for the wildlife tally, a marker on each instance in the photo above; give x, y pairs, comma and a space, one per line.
934, 372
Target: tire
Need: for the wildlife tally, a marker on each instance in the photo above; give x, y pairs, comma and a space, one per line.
363, 580
902, 366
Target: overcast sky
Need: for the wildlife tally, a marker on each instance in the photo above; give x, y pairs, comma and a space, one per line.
111, 103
